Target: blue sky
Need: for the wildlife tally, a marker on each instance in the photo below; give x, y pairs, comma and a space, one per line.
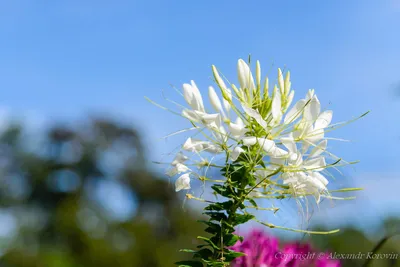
64, 59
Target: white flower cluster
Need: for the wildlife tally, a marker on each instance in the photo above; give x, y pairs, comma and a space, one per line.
251, 120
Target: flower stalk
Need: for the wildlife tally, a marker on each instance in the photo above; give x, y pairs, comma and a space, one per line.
263, 147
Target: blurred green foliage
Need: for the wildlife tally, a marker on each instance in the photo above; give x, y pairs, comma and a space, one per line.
54, 189
354, 241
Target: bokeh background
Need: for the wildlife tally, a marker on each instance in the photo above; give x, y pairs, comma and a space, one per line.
78, 141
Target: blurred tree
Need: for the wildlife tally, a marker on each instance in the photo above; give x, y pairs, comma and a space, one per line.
354, 241
82, 196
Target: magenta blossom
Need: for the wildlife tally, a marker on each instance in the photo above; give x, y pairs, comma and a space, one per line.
263, 251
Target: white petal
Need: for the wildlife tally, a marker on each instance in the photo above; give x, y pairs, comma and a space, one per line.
240, 122
287, 83
276, 106
281, 82
298, 159
317, 196
258, 74
310, 94
183, 182
320, 178
237, 129
304, 147
214, 99
255, 115
289, 143
304, 128
315, 164
210, 147
277, 161
312, 109
218, 78
266, 144
179, 158
289, 178
318, 149
315, 135
278, 152
249, 141
209, 118
227, 106
197, 97
289, 100
236, 152
188, 95
293, 157
193, 145
177, 169
245, 76
191, 115
266, 86
323, 120
295, 112
222, 134
212, 121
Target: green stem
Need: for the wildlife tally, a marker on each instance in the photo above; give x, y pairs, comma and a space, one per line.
231, 216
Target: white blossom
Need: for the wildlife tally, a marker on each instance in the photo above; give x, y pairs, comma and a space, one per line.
177, 169
262, 125
192, 96
183, 182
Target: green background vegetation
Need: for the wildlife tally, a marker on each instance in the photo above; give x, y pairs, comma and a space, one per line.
47, 184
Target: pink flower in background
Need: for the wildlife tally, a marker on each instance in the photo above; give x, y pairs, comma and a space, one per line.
263, 251
260, 250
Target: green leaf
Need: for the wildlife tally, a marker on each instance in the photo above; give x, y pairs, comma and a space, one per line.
214, 263
216, 216
230, 255
189, 264
228, 227
223, 190
253, 202
204, 253
209, 242
230, 239
220, 206
188, 250
242, 218
213, 228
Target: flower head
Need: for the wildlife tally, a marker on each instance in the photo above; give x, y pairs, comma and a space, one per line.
264, 147
264, 127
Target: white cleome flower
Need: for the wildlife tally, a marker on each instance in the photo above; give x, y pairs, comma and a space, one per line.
260, 122
195, 145
192, 96
177, 165
183, 182
302, 172
311, 127
236, 152
179, 158
237, 129
305, 183
177, 169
